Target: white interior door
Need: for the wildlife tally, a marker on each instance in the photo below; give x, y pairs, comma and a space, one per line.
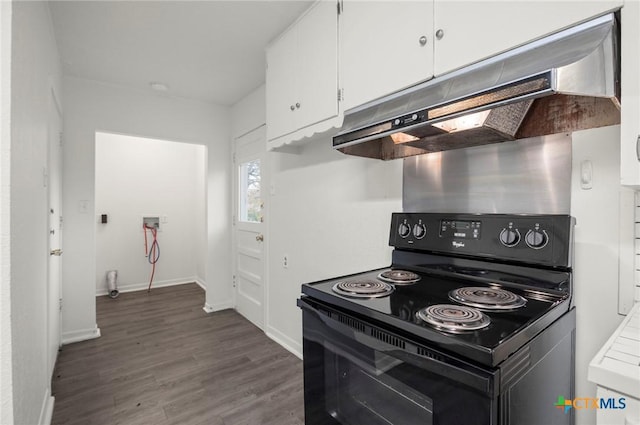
54, 297
250, 186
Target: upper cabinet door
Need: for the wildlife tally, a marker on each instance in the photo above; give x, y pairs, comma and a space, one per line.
317, 65
469, 31
281, 89
384, 46
302, 76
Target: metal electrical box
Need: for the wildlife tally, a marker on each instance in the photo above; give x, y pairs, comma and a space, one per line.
151, 221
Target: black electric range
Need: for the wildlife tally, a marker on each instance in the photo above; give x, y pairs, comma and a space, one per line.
489, 294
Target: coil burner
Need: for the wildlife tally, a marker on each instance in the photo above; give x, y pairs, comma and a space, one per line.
454, 318
399, 277
366, 288
487, 298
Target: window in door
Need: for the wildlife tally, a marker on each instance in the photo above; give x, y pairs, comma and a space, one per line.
250, 200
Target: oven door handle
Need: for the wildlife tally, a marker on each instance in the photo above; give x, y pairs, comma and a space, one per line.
405, 350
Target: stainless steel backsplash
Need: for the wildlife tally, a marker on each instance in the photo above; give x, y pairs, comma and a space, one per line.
523, 176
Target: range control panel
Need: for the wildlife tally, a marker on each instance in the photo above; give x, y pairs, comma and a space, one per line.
460, 229
538, 239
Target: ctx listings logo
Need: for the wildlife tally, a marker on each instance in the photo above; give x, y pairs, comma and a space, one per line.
590, 403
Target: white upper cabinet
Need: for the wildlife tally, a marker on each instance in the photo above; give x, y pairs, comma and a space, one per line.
630, 95
469, 31
281, 86
302, 74
384, 46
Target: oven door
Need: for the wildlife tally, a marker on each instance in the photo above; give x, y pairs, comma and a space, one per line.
356, 373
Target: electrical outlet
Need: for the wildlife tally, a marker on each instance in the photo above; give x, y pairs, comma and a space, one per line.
285, 261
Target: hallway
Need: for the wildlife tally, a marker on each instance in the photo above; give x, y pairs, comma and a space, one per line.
162, 360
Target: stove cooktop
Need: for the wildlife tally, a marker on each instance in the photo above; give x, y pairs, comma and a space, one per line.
507, 331
528, 255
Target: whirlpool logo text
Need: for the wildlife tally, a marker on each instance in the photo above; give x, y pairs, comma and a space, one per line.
590, 403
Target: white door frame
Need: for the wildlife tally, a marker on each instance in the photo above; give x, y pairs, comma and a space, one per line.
54, 223
264, 185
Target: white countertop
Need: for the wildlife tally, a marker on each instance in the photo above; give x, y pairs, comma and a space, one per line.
617, 364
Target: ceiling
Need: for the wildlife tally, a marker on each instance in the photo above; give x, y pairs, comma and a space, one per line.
211, 51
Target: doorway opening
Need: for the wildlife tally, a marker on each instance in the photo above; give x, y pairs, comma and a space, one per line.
154, 183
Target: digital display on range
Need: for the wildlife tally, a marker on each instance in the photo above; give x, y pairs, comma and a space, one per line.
460, 229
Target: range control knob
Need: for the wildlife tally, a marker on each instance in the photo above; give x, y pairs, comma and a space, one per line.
404, 230
509, 237
536, 239
419, 231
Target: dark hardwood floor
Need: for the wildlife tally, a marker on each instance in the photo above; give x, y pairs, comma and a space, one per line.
162, 360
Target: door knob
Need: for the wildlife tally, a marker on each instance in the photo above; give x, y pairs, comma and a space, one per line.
260, 237
56, 252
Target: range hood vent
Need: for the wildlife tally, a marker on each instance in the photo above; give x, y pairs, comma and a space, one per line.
561, 83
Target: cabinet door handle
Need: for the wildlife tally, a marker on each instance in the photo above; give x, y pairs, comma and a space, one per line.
439, 34
293, 108
423, 40
638, 148
297, 105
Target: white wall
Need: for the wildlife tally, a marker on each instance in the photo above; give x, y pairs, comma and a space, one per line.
6, 376
328, 212
202, 240
91, 107
35, 73
138, 177
596, 251
249, 113
330, 215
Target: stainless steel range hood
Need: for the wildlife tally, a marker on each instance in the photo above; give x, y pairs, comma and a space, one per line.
561, 83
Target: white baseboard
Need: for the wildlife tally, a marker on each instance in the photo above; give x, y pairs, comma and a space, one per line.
292, 346
132, 287
201, 283
80, 335
46, 412
210, 308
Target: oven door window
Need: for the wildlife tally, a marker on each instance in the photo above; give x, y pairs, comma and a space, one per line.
352, 379
372, 393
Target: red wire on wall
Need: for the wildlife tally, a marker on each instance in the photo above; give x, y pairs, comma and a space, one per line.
152, 253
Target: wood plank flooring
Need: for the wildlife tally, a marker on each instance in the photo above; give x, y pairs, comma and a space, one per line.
162, 360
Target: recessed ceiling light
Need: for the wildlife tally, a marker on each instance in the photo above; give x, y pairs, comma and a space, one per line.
159, 86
